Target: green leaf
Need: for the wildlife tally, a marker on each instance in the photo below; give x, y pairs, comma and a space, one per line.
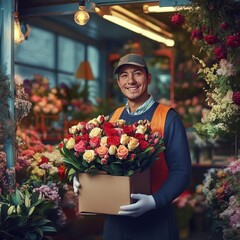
31, 210
48, 229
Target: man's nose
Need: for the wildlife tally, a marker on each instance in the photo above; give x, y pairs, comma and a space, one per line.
131, 78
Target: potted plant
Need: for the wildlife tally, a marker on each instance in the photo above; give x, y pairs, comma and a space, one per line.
24, 215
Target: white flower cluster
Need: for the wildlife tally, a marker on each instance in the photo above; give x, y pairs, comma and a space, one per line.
222, 115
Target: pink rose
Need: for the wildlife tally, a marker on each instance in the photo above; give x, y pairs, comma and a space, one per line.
103, 161
80, 147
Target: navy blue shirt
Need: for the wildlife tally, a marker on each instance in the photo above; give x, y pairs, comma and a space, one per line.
177, 154
159, 223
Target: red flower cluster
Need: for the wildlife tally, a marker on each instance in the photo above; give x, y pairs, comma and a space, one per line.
220, 53
236, 98
210, 39
178, 19
233, 41
116, 148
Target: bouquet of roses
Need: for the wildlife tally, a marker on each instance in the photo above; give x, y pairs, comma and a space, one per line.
116, 148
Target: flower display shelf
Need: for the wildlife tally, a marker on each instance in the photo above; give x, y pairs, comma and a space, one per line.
44, 124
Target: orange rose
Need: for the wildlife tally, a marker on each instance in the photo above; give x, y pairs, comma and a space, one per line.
122, 152
101, 151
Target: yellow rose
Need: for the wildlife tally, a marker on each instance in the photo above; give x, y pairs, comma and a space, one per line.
141, 129
89, 155
95, 132
120, 122
124, 139
112, 150
103, 141
37, 157
71, 143
80, 126
133, 143
94, 121
73, 129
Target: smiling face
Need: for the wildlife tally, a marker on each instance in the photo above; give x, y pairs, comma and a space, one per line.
133, 82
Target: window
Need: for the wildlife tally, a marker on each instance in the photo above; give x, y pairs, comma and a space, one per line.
56, 57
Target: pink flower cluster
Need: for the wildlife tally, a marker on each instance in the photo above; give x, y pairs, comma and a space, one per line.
117, 148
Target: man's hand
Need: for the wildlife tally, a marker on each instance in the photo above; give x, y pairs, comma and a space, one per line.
144, 204
76, 184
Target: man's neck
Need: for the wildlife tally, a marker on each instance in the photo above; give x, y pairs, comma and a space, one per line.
134, 105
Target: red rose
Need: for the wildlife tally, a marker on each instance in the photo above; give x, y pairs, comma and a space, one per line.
61, 172
128, 130
85, 137
78, 138
233, 41
197, 33
220, 53
94, 142
224, 26
113, 140
178, 19
236, 98
111, 132
143, 145
139, 136
107, 125
210, 39
61, 145
44, 160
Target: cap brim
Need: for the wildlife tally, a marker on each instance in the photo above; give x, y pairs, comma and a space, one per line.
116, 70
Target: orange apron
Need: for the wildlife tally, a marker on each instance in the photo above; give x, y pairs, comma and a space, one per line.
159, 169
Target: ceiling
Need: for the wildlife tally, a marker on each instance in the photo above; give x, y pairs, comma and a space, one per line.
97, 27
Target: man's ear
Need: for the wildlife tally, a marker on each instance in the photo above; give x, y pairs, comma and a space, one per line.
149, 78
118, 81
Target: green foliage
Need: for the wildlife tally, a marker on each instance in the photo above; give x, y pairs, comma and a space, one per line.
23, 215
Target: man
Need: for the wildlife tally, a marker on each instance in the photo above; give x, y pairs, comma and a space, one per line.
151, 217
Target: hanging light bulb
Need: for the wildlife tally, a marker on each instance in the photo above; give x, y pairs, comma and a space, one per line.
81, 16
18, 35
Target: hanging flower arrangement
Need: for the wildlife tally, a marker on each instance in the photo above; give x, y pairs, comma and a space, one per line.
214, 26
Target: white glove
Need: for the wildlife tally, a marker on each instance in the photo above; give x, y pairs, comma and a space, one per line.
144, 204
76, 184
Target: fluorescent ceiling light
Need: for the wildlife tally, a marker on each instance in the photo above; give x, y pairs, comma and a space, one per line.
159, 9
127, 19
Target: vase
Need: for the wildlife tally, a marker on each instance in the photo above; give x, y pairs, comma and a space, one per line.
184, 232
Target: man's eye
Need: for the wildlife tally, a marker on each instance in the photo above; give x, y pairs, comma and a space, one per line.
123, 75
138, 73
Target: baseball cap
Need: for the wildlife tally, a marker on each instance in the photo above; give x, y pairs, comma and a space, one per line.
131, 59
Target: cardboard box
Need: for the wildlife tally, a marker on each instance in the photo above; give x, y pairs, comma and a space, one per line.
105, 194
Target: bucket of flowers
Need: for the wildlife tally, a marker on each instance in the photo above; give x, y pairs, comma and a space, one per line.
111, 159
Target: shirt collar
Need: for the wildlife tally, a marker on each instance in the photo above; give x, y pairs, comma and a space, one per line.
143, 108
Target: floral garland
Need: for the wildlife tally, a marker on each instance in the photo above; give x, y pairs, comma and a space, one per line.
214, 25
